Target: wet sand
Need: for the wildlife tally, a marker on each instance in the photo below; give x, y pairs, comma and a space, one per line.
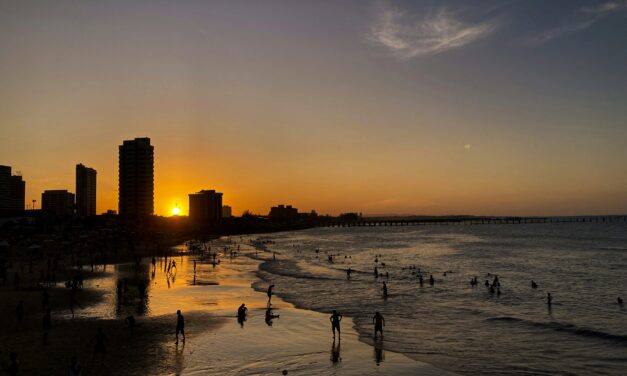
299, 341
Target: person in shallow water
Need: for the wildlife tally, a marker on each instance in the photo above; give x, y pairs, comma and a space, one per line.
549, 298
270, 294
241, 311
335, 322
379, 323
431, 280
385, 290
180, 326
534, 285
348, 273
619, 300
376, 272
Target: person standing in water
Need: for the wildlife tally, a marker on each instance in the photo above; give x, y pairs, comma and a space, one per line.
379, 323
549, 299
270, 294
335, 323
385, 290
348, 273
180, 326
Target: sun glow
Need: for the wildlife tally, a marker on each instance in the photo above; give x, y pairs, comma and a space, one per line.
176, 211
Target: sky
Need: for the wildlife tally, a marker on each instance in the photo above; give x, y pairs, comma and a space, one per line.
381, 107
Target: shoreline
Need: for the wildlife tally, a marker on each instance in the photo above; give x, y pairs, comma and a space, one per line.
298, 341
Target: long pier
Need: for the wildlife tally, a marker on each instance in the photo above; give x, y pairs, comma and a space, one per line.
374, 222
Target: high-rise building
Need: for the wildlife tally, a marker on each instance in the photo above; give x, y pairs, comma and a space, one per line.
59, 201
136, 178
227, 211
85, 190
205, 206
12, 191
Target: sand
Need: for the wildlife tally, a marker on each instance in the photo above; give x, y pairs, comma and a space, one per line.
299, 341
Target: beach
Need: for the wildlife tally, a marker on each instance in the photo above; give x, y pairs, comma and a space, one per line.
299, 341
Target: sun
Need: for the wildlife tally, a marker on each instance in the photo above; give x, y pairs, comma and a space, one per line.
176, 210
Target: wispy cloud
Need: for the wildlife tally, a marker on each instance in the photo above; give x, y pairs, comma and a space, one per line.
406, 36
582, 19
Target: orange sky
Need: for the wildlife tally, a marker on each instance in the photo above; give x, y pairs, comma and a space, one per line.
271, 105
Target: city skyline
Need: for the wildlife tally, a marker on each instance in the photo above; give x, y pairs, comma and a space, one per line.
390, 107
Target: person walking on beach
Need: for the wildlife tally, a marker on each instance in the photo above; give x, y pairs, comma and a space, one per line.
180, 326
379, 323
335, 323
270, 294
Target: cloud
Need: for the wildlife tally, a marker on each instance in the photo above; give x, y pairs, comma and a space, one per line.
405, 37
582, 19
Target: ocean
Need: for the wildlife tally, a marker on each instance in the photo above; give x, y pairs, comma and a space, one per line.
453, 325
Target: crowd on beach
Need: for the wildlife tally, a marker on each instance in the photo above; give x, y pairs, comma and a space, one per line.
72, 273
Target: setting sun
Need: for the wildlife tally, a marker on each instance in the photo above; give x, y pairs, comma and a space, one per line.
176, 211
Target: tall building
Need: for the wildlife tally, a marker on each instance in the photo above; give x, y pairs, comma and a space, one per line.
136, 178
205, 206
85, 191
59, 201
227, 211
12, 191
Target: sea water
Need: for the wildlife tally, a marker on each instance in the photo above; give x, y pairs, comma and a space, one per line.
456, 326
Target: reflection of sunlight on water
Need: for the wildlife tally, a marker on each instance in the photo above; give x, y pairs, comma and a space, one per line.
166, 292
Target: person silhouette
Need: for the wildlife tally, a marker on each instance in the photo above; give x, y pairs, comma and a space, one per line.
241, 314
385, 290
348, 273
431, 280
379, 323
180, 326
549, 299
270, 294
619, 300
534, 285
335, 323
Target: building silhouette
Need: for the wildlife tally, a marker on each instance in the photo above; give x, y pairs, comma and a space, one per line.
283, 213
136, 178
205, 207
59, 201
12, 191
227, 211
85, 190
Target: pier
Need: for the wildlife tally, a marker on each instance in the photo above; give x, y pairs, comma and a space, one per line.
445, 221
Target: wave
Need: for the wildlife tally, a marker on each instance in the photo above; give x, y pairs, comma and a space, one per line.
565, 327
286, 268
